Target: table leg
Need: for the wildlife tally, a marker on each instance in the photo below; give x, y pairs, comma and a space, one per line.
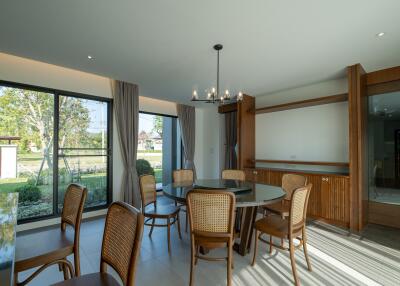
246, 218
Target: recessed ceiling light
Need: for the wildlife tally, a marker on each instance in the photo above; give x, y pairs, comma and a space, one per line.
90, 57
381, 34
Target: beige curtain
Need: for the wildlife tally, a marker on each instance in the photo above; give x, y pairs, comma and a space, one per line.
187, 123
230, 140
126, 106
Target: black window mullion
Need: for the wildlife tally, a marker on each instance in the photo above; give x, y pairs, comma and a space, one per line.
55, 152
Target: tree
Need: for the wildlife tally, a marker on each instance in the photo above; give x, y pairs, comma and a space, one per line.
158, 125
30, 115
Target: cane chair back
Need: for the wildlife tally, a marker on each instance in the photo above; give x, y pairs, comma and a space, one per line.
74, 200
298, 208
183, 175
211, 211
230, 174
291, 182
147, 190
121, 241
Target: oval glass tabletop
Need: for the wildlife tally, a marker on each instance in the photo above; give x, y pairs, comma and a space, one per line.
247, 194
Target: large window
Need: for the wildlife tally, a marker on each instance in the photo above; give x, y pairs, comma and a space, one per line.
159, 146
49, 139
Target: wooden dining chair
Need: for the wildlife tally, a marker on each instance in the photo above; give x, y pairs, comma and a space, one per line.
292, 228
211, 216
52, 247
290, 182
230, 174
120, 249
183, 176
169, 213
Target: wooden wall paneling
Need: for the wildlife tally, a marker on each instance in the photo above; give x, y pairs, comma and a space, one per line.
357, 146
314, 202
303, 103
246, 131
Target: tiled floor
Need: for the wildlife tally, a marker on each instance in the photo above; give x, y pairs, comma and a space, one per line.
337, 257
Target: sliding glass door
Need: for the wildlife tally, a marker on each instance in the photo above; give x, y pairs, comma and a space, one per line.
26, 149
49, 139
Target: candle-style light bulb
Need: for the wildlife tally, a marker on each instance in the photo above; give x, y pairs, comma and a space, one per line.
213, 90
208, 95
227, 95
240, 96
194, 95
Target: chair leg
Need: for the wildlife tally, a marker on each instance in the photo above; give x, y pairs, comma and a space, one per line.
65, 271
77, 263
152, 226
178, 221
197, 253
169, 235
229, 265
255, 247
186, 221
305, 249
193, 260
293, 262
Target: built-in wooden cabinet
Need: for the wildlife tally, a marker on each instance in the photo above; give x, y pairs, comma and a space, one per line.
329, 198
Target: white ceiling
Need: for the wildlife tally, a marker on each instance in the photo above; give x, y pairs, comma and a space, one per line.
166, 46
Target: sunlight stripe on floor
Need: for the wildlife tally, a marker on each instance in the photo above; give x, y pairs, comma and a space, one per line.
343, 267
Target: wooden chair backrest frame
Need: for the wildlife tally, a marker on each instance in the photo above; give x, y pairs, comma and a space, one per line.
230, 216
233, 174
183, 175
298, 209
71, 214
148, 193
122, 237
291, 182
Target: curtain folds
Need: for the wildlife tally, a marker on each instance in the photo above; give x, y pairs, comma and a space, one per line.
230, 139
126, 106
187, 123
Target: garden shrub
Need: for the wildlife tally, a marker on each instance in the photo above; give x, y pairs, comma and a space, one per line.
143, 167
28, 193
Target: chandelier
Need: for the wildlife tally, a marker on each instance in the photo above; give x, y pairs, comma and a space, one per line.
213, 94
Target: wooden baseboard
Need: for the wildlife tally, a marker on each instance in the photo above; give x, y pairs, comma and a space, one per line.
384, 214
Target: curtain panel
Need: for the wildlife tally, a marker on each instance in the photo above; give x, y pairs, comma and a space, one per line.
187, 123
126, 106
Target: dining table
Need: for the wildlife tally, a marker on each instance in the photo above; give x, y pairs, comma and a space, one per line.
249, 196
8, 225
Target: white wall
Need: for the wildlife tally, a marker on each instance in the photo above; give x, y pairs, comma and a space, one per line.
317, 133
207, 154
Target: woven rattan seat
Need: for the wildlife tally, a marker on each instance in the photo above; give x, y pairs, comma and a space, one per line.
120, 248
51, 247
92, 279
294, 227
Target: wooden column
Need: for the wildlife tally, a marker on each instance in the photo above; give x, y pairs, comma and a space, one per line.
358, 157
246, 116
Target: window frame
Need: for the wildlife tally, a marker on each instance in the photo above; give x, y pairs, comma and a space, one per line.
57, 93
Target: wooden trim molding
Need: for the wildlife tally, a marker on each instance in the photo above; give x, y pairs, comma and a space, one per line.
383, 87
317, 163
304, 103
381, 76
231, 107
